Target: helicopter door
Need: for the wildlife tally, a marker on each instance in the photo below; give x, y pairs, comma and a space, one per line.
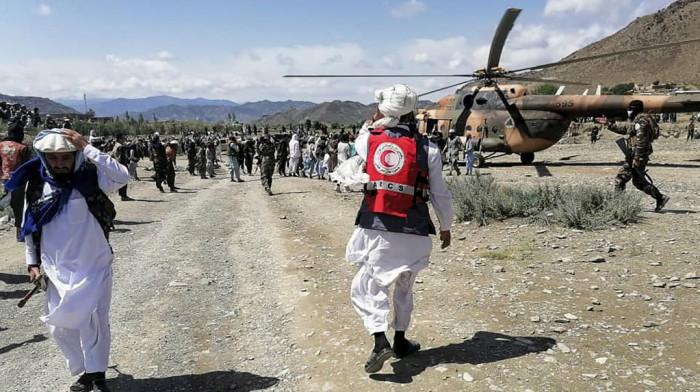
431, 125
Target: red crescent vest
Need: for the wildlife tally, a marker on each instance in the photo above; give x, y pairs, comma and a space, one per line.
393, 171
397, 191
11, 154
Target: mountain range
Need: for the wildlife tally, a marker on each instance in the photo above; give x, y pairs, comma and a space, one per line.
341, 112
245, 113
117, 107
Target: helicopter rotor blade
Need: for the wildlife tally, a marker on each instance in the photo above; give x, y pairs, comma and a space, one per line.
446, 87
381, 76
604, 55
557, 81
500, 36
513, 111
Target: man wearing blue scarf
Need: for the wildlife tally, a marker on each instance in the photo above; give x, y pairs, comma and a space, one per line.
64, 237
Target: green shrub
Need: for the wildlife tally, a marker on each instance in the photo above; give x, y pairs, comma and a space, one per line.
479, 198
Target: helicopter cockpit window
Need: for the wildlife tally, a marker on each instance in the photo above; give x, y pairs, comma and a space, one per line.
509, 123
481, 101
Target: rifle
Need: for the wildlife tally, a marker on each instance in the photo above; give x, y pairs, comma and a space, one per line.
629, 158
39, 284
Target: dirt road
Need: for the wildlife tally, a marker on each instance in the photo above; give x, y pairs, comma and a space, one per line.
222, 288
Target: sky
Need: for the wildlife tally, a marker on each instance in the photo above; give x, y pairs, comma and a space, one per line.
239, 49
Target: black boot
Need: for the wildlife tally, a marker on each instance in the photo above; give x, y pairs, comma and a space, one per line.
661, 202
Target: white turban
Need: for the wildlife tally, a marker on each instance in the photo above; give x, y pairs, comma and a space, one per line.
394, 102
53, 141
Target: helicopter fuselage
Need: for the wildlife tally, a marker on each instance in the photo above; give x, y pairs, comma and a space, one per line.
544, 120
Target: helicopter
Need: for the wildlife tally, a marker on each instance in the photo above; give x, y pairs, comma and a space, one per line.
506, 119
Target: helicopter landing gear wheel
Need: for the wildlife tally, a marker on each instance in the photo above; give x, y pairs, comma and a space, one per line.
527, 158
478, 160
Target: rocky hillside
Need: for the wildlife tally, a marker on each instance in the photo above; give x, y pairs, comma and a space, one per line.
45, 105
676, 64
247, 112
341, 112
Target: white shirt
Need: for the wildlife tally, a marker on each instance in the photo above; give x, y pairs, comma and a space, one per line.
343, 152
294, 150
75, 254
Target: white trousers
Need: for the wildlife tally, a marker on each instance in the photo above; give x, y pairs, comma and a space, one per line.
87, 349
371, 300
294, 164
132, 170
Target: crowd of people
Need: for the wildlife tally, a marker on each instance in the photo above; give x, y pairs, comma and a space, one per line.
64, 215
19, 114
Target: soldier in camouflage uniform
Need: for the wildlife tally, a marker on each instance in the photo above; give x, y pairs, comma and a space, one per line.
640, 133
202, 160
266, 151
453, 146
157, 152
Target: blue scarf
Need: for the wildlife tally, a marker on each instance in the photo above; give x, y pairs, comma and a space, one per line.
48, 206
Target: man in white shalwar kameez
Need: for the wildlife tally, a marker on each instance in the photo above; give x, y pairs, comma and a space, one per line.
294, 155
74, 252
390, 248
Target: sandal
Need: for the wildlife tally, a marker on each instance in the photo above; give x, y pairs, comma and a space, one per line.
376, 360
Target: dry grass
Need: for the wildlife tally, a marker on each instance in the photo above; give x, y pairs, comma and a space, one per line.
479, 198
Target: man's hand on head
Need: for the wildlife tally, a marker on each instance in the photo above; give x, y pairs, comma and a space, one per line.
75, 138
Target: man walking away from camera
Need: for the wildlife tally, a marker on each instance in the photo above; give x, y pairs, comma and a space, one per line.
391, 241
120, 152
171, 155
266, 152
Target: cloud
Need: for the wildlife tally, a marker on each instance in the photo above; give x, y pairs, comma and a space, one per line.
409, 9
531, 45
255, 73
165, 55
43, 10
591, 7
649, 6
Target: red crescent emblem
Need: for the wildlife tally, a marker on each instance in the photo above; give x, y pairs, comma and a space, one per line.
382, 158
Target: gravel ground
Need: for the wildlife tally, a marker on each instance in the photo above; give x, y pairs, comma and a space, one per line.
223, 288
